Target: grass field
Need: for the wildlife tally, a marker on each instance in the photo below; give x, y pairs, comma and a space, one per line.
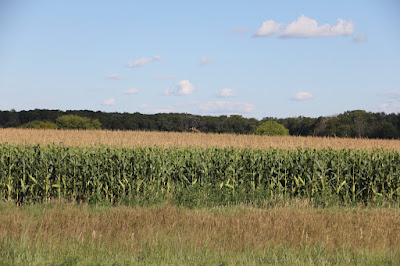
122, 198
293, 234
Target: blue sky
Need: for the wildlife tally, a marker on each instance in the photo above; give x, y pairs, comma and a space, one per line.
253, 58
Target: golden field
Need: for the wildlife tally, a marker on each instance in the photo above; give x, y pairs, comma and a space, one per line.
176, 139
240, 235
223, 228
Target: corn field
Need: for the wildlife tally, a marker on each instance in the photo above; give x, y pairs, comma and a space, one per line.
33, 173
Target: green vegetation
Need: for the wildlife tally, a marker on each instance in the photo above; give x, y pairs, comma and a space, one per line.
36, 124
77, 122
65, 122
272, 128
74, 252
197, 177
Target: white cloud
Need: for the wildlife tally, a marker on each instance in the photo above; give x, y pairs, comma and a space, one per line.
144, 106
143, 61
227, 93
224, 106
267, 28
305, 27
361, 37
183, 87
160, 77
110, 101
132, 91
115, 76
206, 61
240, 31
301, 96
390, 108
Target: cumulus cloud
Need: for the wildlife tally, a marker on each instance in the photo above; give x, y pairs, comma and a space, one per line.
361, 37
240, 31
115, 76
183, 87
143, 61
267, 28
160, 77
304, 27
109, 102
390, 108
131, 91
227, 93
206, 61
307, 27
225, 106
301, 96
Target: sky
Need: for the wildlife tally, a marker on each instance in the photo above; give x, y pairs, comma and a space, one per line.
251, 58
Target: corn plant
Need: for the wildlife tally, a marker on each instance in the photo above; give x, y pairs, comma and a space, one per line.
31, 173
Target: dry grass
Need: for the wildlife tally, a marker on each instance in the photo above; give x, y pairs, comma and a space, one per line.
168, 139
223, 229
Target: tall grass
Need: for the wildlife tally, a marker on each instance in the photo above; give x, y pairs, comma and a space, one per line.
65, 233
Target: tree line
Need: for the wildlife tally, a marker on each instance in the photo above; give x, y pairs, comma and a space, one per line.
357, 123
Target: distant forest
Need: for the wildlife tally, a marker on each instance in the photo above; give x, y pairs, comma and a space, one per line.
357, 123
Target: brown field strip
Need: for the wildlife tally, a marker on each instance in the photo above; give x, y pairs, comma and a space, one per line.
171, 139
220, 229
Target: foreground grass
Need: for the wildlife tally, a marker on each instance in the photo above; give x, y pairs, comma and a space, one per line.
66, 233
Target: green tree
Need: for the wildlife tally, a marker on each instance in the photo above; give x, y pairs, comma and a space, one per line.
272, 128
386, 131
77, 122
39, 125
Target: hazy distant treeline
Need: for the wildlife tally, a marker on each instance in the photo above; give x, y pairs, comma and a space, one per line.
356, 123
